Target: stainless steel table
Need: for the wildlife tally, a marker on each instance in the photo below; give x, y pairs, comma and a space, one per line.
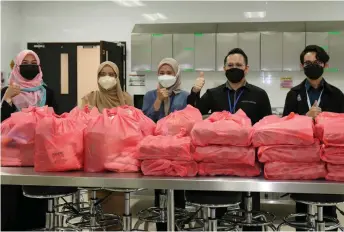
27, 176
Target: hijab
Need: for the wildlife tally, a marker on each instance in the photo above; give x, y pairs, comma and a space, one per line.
176, 87
32, 91
106, 99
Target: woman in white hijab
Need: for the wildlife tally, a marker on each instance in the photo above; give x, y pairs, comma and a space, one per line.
168, 97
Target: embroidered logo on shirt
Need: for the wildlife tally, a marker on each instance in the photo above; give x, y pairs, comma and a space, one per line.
298, 97
252, 102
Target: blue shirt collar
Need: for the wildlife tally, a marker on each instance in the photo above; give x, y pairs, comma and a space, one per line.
309, 86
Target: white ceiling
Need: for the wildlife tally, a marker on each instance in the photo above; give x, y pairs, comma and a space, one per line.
192, 11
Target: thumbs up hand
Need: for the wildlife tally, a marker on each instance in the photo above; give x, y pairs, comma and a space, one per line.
314, 111
200, 81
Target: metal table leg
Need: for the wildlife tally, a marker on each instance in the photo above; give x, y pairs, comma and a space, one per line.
170, 210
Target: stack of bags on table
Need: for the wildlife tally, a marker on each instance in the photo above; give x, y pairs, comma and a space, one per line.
81, 139
111, 139
223, 145
38, 137
18, 136
168, 152
288, 148
329, 128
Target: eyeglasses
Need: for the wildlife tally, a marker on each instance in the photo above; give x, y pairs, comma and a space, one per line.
236, 65
308, 63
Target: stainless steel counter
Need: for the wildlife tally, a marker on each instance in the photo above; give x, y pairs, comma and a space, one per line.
27, 176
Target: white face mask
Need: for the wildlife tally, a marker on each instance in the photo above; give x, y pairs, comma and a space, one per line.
167, 81
107, 82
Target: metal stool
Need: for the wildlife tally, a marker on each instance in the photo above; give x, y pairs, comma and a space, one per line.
126, 219
94, 219
158, 214
52, 194
314, 219
208, 202
248, 218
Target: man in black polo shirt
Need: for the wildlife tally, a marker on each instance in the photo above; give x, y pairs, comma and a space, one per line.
313, 96
235, 94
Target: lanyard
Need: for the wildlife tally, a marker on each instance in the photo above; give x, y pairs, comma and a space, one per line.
309, 102
232, 108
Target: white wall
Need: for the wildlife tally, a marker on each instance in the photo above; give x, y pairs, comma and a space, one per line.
11, 30
93, 21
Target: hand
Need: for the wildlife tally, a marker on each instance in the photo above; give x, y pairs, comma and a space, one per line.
162, 93
314, 111
12, 91
200, 81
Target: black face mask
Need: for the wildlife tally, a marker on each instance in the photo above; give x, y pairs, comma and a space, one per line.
313, 71
235, 75
29, 71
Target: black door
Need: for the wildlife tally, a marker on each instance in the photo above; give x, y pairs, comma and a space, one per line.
50, 56
115, 52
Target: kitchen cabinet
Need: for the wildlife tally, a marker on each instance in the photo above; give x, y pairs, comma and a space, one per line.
161, 48
250, 43
141, 52
336, 51
205, 58
224, 43
271, 51
293, 45
184, 51
317, 38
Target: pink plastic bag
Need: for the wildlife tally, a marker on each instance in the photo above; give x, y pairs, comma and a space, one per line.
124, 161
288, 153
290, 130
146, 124
294, 171
217, 169
225, 155
165, 147
181, 121
107, 137
333, 155
326, 118
223, 128
84, 114
335, 172
163, 167
18, 136
59, 144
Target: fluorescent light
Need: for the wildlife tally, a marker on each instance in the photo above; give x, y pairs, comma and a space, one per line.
129, 3
256, 14
154, 17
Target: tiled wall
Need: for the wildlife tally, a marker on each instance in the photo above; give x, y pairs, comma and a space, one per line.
270, 81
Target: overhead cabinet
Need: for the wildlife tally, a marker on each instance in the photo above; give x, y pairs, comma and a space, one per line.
271, 51
205, 57
141, 52
161, 48
224, 43
250, 43
184, 51
293, 45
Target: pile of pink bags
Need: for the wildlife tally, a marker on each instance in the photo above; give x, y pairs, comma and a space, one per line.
81, 139
329, 129
18, 136
288, 148
111, 139
223, 145
169, 151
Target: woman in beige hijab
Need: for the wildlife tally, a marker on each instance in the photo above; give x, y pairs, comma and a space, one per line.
110, 93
